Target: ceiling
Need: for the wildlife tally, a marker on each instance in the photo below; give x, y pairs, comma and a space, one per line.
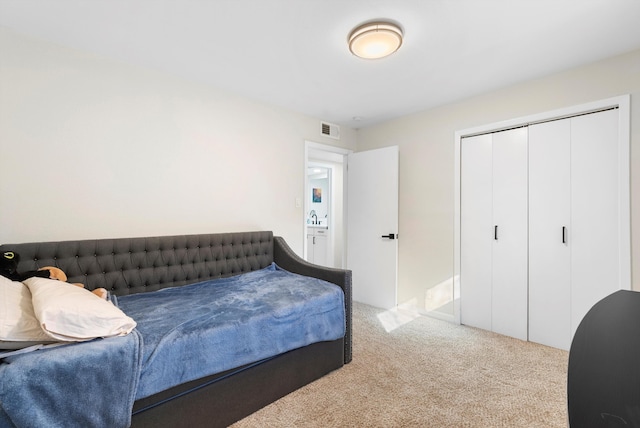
293, 53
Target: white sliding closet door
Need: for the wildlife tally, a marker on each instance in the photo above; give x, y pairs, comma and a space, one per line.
493, 225
509, 291
595, 211
574, 223
544, 220
476, 203
550, 233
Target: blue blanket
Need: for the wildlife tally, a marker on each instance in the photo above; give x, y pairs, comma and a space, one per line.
90, 384
189, 332
206, 328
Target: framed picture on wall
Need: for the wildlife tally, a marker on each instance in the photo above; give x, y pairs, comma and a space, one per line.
317, 195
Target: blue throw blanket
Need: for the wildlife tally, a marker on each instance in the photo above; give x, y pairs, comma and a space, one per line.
189, 332
209, 327
90, 384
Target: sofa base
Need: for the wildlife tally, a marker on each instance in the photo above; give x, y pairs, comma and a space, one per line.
221, 400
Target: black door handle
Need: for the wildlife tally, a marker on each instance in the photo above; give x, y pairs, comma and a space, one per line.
564, 236
390, 236
495, 232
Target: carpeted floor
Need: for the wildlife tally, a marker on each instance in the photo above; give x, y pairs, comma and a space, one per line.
429, 373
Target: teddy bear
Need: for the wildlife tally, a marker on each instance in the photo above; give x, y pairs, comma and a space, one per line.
9, 269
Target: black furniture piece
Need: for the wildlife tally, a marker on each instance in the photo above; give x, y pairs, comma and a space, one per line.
603, 388
137, 265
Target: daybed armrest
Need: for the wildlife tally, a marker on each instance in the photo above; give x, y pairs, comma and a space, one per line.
287, 259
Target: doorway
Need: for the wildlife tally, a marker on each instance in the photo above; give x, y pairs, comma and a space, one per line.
324, 211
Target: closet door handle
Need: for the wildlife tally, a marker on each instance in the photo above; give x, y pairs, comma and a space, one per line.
495, 232
564, 234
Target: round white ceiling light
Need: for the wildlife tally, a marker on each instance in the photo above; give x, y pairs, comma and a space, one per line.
375, 40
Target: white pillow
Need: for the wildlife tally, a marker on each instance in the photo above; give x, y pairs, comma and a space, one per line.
19, 327
71, 313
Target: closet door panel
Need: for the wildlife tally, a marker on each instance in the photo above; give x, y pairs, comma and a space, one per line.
594, 210
475, 228
549, 244
510, 211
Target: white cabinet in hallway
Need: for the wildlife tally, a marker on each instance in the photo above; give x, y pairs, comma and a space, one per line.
317, 245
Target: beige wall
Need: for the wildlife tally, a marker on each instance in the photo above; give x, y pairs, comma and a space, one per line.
426, 143
95, 148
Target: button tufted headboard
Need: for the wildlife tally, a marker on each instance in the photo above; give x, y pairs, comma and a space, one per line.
134, 265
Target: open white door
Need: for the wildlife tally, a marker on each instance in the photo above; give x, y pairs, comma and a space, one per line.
372, 226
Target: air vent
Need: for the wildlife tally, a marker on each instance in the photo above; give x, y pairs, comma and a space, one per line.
330, 130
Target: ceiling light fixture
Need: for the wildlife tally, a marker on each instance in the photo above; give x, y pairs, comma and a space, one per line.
375, 40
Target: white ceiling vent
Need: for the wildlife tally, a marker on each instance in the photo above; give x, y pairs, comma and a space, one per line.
330, 130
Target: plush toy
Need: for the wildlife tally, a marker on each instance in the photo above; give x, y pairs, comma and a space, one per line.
9, 269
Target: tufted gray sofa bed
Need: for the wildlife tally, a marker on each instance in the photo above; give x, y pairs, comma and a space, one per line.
137, 265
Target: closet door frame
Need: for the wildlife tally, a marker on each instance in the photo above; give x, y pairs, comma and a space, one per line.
622, 103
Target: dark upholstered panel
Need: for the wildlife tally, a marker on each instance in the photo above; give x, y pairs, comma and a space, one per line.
133, 265
287, 259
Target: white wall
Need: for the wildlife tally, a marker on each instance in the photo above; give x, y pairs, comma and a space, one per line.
95, 148
426, 143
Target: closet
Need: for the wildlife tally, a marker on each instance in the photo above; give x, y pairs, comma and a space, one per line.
539, 226
494, 232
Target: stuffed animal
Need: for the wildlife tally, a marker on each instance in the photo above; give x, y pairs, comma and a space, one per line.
9, 269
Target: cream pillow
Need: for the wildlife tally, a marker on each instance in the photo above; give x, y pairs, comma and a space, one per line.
71, 313
19, 327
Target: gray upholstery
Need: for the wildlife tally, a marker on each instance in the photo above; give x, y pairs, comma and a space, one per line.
134, 265
287, 259
137, 265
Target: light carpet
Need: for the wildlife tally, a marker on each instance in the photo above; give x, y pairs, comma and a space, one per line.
429, 373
